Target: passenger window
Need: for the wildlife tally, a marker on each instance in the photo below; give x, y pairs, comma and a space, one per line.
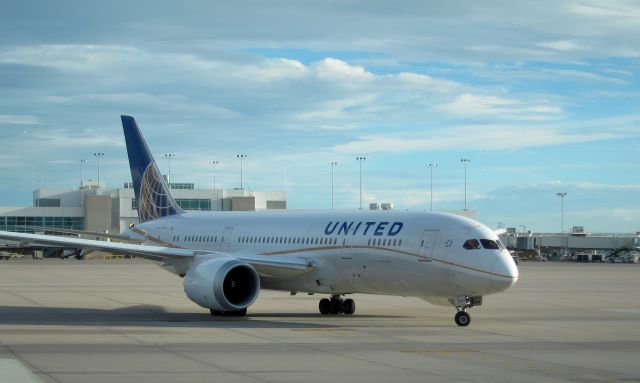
489, 244
394, 242
471, 244
399, 242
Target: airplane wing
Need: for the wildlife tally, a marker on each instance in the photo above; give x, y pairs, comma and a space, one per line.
268, 266
118, 237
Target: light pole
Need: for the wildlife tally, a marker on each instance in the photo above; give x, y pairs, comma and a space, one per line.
98, 156
241, 157
214, 164
360, 159
169, 156
465, 161
431, 166
333, 165
561, 195
82, 162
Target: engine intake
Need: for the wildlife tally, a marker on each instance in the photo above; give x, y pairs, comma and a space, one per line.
222, 284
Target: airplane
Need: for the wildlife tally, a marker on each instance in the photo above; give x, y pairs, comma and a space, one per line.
226, 258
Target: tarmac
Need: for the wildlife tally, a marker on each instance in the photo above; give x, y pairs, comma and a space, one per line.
129, 321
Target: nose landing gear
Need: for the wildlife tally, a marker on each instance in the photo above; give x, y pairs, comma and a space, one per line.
337, 305
462, 318
462, 303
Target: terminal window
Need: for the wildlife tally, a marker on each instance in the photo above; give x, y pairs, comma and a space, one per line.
48, 202
194, 204
26, 224
184, 203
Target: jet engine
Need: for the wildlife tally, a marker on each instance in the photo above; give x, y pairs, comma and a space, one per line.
222, 284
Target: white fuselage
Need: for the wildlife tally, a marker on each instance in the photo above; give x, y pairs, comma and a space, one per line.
376, 252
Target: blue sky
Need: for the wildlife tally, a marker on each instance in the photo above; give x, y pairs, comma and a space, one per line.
542, 97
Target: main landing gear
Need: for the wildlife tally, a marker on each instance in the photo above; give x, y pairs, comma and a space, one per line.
239, 313
463, 303
337, 305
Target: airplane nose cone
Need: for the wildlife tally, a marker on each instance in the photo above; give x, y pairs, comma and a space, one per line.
505, 273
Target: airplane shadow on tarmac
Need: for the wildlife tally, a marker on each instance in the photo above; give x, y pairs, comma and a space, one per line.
152, 315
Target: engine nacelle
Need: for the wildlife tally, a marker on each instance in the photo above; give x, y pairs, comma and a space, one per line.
222, 284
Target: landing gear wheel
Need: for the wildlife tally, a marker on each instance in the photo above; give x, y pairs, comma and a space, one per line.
349, 306
324, 306
462, 318
335, 306
239, 313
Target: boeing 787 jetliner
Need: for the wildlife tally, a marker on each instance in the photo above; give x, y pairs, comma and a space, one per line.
225, 258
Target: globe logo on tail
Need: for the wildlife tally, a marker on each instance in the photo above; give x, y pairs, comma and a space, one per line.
155, 200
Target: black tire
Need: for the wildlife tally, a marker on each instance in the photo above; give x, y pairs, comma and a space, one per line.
349, 306
335, 307
239, 313
324, 306
462, 318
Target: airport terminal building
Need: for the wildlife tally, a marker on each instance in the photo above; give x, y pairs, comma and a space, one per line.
98, 209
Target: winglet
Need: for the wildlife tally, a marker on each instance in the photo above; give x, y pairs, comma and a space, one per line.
151, 190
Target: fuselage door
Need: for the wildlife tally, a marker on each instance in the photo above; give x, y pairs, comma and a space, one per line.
225, 239
427, 244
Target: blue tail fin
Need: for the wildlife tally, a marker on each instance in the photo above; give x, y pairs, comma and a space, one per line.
152, 193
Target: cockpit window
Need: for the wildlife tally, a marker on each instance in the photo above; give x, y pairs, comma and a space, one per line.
489, 244
471, 244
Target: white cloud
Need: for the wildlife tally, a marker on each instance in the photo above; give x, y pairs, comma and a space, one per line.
173, 103
62, 139
473, 105
475, 137
560, 45
69, 58
337, 70
338, 109
607, 187
17, 120
270, 70
611, 10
